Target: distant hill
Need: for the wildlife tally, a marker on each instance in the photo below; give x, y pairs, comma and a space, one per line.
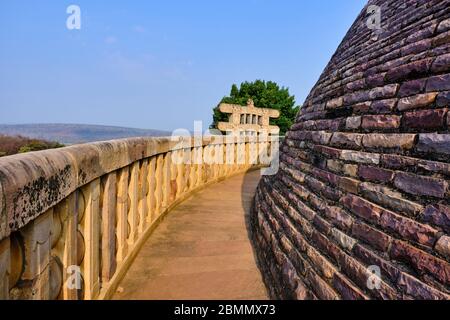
76, 133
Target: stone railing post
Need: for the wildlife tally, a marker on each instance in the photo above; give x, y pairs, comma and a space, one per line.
108, 215
122, 215
151, 190
91, 233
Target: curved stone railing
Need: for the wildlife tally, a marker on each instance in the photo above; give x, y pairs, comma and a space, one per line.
73, 219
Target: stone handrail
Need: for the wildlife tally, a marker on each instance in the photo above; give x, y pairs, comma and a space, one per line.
73, 219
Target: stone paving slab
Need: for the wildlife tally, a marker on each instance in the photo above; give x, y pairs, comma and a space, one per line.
201, 250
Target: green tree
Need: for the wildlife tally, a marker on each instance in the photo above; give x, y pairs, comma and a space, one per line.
265, 95
38, 145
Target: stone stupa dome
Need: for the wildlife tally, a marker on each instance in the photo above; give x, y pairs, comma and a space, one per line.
363, 185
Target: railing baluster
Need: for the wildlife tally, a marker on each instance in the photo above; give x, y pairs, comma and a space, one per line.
217, 151
122, 215
143, 194
173, 181
159, 184
166, 180
134, 199
109, 228
151, 190
186, 169
91, 230
69, 214
192, 168
37, 245
180, 173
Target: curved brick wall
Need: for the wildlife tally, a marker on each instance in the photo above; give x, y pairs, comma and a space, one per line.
364, 174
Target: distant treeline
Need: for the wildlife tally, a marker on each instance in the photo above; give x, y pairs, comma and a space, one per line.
10, 145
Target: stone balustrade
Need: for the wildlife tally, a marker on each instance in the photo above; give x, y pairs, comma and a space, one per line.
73, 219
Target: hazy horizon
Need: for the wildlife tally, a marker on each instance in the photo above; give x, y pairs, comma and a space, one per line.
157, 65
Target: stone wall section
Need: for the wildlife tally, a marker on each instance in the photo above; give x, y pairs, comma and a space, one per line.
365, 170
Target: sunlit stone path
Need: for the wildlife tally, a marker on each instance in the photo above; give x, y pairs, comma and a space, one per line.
201, 250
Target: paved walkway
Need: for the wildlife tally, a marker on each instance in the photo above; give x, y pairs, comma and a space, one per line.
201, 250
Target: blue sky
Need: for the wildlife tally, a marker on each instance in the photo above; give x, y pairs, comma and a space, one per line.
158, 64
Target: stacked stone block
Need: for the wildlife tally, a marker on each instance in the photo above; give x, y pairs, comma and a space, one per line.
365, 170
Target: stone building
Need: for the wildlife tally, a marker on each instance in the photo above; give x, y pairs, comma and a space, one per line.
360, 208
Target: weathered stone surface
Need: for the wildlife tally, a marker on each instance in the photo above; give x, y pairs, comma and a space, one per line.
383, 106
362, 208
381, 122
361, 157
443, 246
350, 169
439, 83
393, 161
441, 64
439, 215
335, 103
37, 244
331, 125
321, 137
412, 87
362, 108
369, 257
389, 141
417, 101
408, 228
417, 47
375, 174
411, 70
328, 151
387, 91
444, 26
356, 97
349, 184
321, 263
376, 80
346, 289
356, 85
420, 185
443, 99
425, 119
441, 39
346, 140
353, 123
321, 288
390, 199
434, 142
339, 217
418, 289
371, 236
334, 165
344, 241
421, 261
